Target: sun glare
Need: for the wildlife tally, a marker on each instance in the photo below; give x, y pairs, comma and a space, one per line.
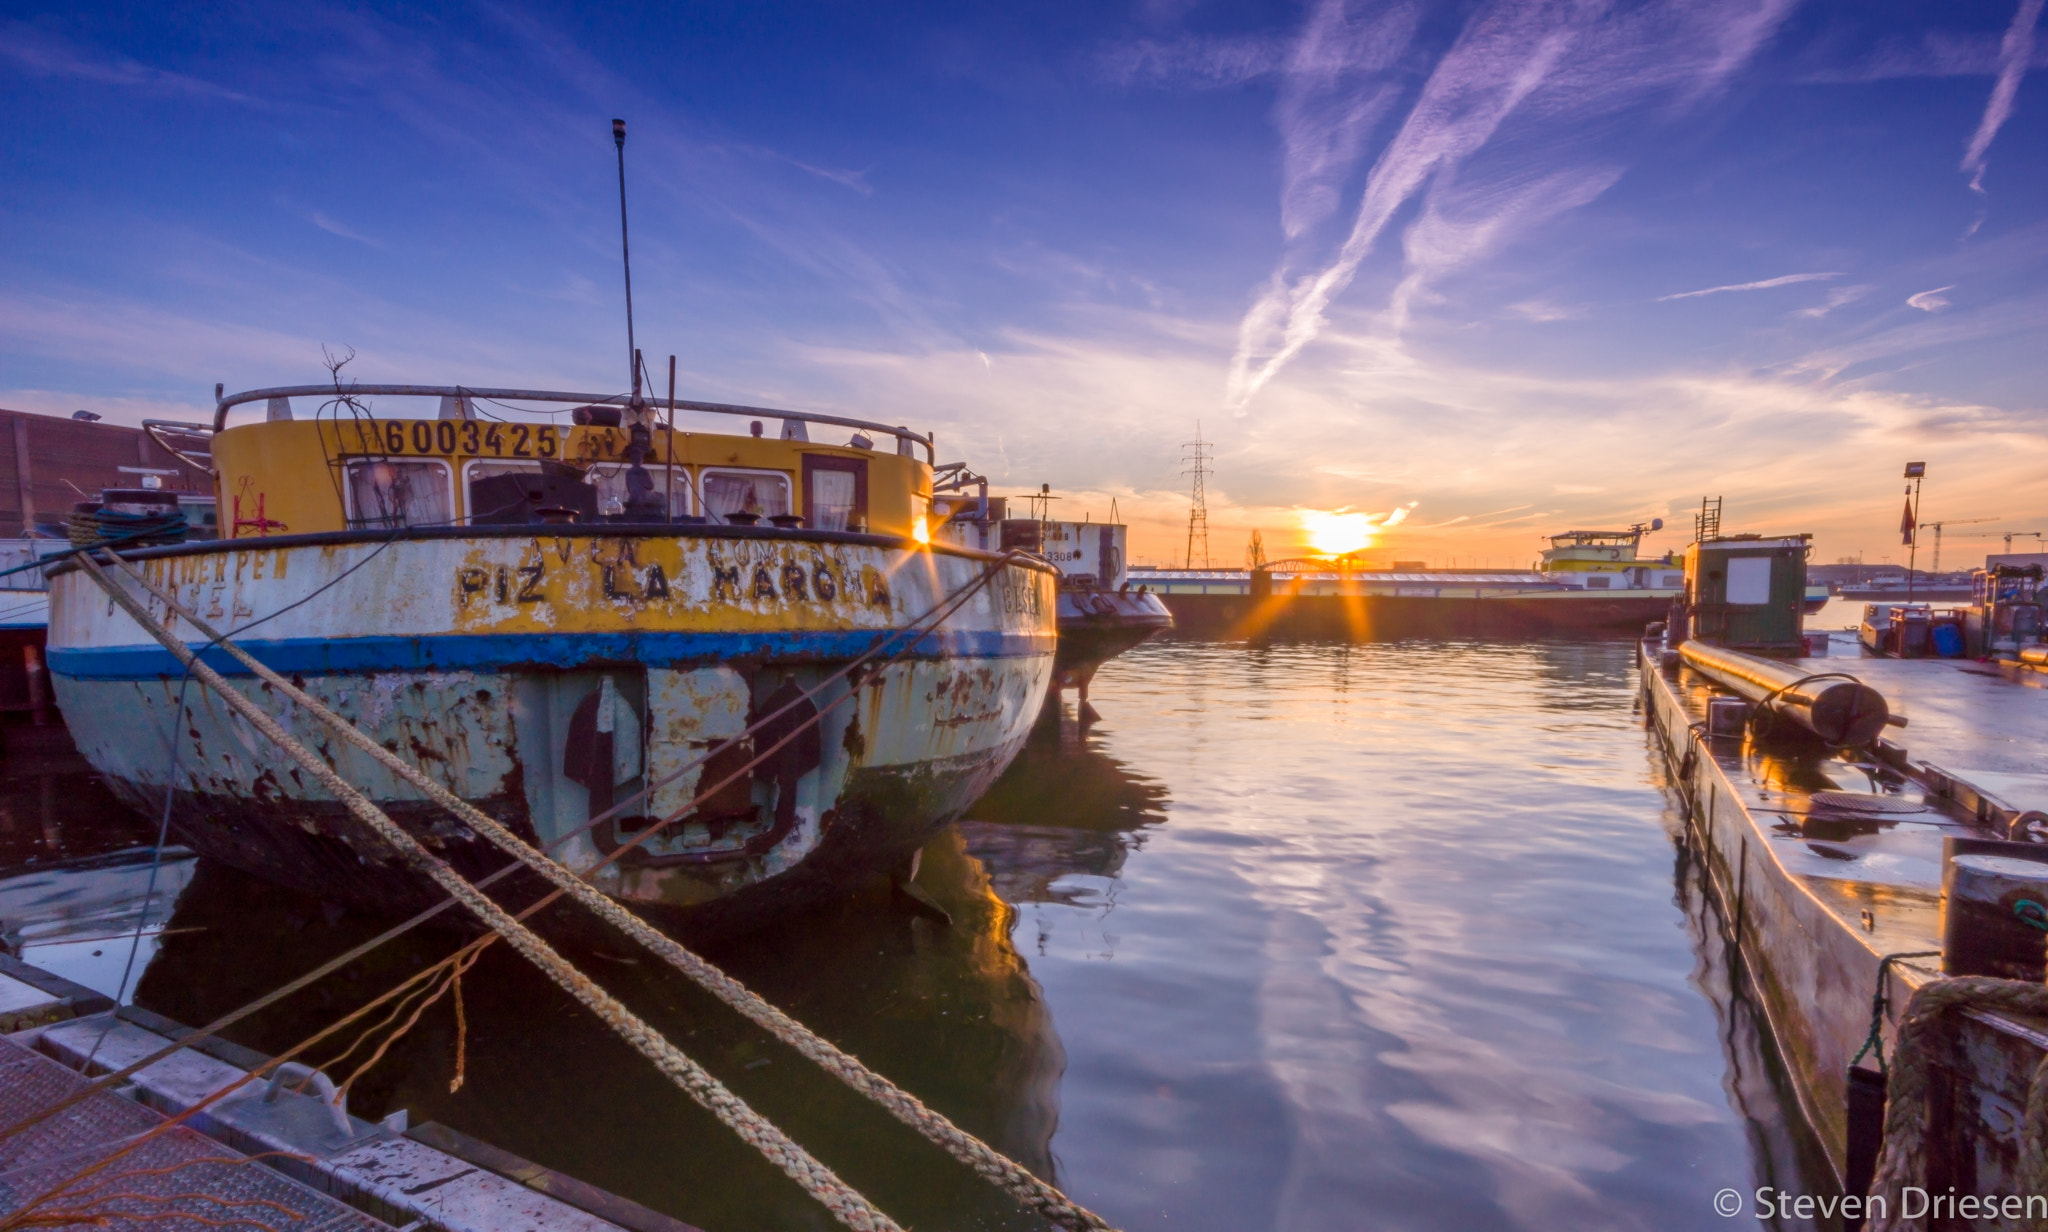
1335, 534
1340, 532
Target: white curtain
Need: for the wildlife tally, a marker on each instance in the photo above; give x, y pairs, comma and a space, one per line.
395, 492
764, 494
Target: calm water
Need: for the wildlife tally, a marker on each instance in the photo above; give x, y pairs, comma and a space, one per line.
1303, 937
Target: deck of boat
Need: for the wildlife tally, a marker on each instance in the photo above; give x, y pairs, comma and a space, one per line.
1825, 865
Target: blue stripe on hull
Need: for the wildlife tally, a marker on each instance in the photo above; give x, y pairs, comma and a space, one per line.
499, 651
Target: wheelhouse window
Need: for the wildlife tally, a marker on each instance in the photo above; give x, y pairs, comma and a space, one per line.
607, 480
385, 492
744, 496
610, 481
835, 493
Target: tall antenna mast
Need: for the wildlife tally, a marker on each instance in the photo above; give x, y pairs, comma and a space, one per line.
626, 254
1196, 456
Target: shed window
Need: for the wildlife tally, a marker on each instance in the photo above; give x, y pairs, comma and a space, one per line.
399, 492
763, 494
1749, 580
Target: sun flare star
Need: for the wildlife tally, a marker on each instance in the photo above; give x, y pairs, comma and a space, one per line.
1340, 532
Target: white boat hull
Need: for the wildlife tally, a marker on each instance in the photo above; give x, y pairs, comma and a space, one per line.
544, 678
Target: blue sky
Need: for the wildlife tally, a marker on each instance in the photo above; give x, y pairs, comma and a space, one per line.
1516, 265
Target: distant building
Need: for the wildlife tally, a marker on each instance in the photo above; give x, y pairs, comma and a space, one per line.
48, 464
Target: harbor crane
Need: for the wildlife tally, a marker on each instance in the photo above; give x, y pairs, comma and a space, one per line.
1935, 566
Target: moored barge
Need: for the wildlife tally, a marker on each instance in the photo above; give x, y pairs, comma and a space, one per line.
553, 620
1101, 615
1585, 581
1877, 906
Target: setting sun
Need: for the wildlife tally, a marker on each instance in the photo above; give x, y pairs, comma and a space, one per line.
1335, 534
1341, 532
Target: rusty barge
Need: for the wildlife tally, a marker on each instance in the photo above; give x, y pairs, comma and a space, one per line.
1878, 907
558, 621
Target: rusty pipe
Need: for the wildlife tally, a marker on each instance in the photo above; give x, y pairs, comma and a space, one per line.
1841, 710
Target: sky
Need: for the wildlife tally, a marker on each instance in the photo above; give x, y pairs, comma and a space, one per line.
1477, 271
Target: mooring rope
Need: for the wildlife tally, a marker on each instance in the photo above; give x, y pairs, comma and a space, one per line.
1926, 1037
459, 960
846, 1204
1880, 1005
992, 1165
332, 965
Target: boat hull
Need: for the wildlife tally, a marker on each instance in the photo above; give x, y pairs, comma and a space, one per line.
1098, 625
545, 697
1383, 617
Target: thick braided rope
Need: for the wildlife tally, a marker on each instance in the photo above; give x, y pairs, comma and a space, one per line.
846, 1204
1926, 1036
116, 1077
992, 1165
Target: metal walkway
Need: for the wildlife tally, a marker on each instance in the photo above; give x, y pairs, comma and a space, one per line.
176, 1181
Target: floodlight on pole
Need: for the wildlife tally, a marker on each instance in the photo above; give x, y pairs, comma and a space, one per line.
626, 255
1915, 471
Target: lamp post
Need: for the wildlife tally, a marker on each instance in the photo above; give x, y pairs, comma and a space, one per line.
1915, 471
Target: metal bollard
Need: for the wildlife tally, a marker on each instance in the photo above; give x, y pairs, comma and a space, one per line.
1727, 716
1995, 917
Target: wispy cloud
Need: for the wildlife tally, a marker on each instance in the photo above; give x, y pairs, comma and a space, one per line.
1560, 65
1190, 62
1543, 311
2014, 51
1331, 98
1783, 280
42, 54
1459, 227
856, 180
332, 227
1888, 341
1929, 301
1935, 53
1836, 299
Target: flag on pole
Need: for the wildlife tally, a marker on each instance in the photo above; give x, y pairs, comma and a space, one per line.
1906, 526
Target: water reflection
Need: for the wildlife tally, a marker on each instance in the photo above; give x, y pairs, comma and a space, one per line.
1058, 826
1315, 936
80, 882
951, 1013
1784, 1152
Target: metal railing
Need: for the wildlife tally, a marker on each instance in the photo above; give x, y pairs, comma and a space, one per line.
225, 402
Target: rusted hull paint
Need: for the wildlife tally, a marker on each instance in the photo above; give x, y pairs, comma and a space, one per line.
620, 675
315, 847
